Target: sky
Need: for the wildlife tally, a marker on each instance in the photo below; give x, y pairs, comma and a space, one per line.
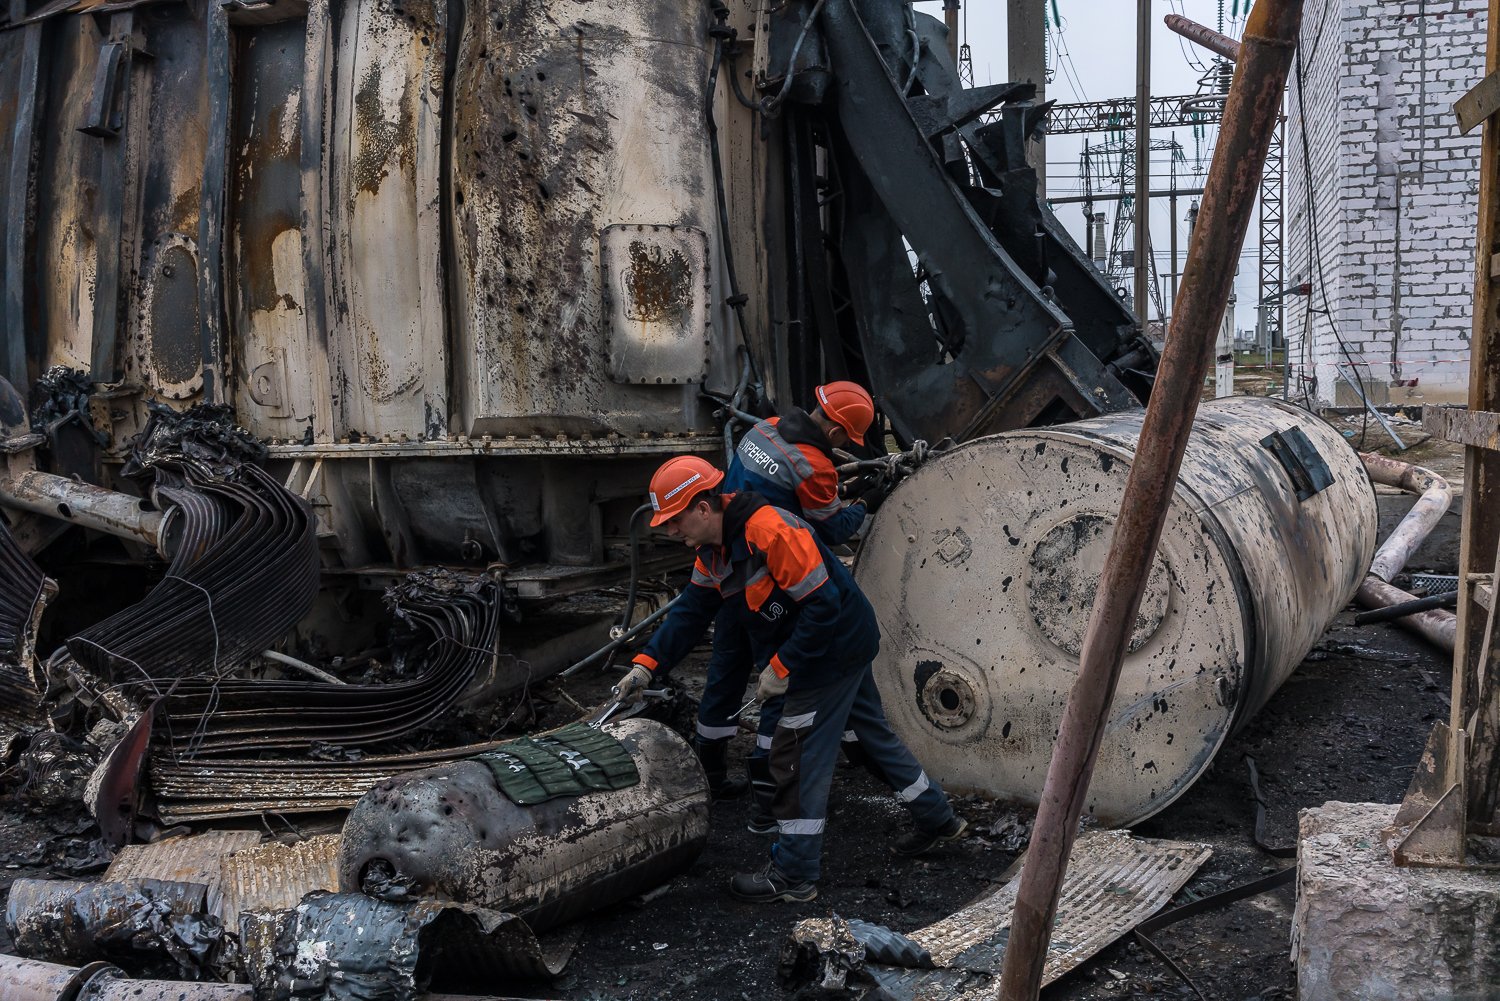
1092, 56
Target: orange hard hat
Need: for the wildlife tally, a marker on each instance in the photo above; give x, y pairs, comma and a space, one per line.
677, 482
849, 406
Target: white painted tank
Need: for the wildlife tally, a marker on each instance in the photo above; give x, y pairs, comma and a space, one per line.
982, 568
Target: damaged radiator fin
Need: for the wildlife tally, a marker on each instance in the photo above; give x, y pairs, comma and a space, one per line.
193, 859
246, 572
24, 590
1114, 882
24, 593
453, 620
226, 787
275, 877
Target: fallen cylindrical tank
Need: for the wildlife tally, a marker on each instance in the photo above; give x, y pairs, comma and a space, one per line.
982, 568
449, 831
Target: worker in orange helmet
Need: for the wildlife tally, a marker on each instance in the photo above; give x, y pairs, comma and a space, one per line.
816, 634
789, 461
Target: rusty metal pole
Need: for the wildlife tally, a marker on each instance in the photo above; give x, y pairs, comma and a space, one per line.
1142, 276
1207, 37
1228, 200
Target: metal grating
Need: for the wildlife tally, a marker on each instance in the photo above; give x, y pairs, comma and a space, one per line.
1114, 883
249, 787
192, 859
275, 877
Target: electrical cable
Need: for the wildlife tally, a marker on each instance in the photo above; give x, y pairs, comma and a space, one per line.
635, 565
1315, 250
722, 33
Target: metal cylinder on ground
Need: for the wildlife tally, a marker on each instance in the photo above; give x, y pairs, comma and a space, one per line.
449, 831
982, 567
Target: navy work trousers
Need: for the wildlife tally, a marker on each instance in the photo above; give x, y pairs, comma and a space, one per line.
804, 751
724, 692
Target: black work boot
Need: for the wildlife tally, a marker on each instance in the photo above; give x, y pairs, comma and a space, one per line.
714, 755
764, 788
921, 842
771, 885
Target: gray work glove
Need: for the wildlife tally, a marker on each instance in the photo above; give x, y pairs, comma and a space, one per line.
771, 684
633, 683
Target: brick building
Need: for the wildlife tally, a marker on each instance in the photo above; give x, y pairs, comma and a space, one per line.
1388, 241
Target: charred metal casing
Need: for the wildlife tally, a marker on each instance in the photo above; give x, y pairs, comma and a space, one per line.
983, 565
449, 831
460, 262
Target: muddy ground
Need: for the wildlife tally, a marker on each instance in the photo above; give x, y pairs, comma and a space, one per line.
1349, 725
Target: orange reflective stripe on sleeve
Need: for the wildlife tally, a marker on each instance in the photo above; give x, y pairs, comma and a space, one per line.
792, 554
645, 660
778, 667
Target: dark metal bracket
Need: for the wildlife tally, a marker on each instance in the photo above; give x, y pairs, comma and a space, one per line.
1309, 473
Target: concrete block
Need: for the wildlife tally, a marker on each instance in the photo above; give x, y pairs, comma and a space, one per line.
1364, 928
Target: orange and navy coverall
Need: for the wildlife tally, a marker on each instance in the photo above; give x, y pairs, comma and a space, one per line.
788, 461
809, 621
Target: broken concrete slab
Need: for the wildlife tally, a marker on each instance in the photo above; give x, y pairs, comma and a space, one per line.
1366, 928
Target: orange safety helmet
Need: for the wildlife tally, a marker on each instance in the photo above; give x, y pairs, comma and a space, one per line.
849, 406
677, 482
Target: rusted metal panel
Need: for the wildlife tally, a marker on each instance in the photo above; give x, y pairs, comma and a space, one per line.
69, 199
385, 156
193, 859
275, 877
656, 285
1114, 882
281, 378
983, 566
167, 132
229, 787
564, 127
450, 832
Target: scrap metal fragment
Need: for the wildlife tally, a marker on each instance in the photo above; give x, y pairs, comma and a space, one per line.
350, 947
33, 980
1114, 882
450, 624
187, 791
275, 877
147, 926
197, 858
244, 567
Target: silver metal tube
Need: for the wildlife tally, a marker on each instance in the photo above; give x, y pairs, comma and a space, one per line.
1438, 625
107, 511
1434, 498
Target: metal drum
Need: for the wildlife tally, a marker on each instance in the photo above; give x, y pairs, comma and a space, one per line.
982, 569
450, 832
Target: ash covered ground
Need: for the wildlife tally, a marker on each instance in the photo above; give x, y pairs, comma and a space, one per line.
1349, 725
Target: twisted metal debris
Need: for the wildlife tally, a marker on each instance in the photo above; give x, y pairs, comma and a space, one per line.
244, 568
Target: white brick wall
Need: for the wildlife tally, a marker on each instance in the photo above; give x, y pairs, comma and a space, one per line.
1395, 192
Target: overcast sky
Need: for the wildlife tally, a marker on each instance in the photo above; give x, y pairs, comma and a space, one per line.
1092, 57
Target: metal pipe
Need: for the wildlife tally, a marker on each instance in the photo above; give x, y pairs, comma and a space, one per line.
1438, 625
303, 666
1250, 114
1434, 498
1213, 41
1142, 159
1391, 612
615, 644
84, 504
